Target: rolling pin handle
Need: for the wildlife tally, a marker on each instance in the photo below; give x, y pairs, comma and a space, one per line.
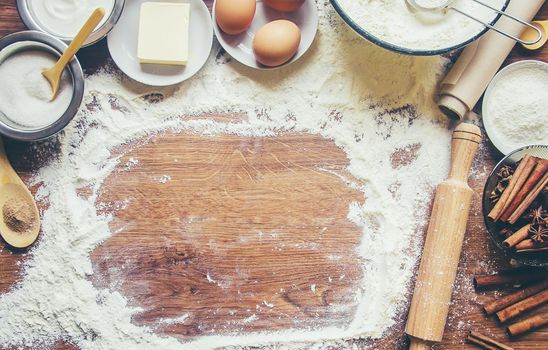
466, 139
418, 344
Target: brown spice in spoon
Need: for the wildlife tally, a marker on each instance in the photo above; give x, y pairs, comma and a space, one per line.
19, 216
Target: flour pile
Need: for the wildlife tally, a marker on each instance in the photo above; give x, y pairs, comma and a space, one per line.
516, 109
369, 101
397, 23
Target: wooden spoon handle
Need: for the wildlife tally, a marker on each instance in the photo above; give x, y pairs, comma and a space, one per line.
5, 166
92, 22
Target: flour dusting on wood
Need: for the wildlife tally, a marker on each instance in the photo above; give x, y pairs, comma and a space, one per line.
372, 103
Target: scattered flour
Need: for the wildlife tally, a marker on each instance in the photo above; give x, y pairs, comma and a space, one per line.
174, 320
369, 101
516, 111
396, 23
164, 179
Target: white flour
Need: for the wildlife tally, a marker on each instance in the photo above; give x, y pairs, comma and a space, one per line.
394, 22
25, 95
371, 102
517, 107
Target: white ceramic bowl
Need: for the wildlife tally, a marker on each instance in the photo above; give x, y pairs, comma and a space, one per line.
32, 23
496, 138
123, 39
240, 46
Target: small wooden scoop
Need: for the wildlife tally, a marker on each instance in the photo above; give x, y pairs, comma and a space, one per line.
14, 199
530, 34
53, 74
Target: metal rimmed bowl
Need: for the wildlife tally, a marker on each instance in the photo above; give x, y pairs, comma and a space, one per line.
363, 32
531, 259
32, 23
33, 40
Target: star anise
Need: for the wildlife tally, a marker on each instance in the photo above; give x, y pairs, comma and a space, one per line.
504, 175
537, 216
538, 233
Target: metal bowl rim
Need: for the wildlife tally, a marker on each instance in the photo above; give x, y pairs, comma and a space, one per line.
406, 51
77, 76
490, 87
493, 235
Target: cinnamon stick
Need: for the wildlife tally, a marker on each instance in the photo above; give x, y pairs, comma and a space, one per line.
510, 299
521, 173
533, 194
517, 237
486, 342
527, 325
530, 244
525, 305
511, 277
534, 178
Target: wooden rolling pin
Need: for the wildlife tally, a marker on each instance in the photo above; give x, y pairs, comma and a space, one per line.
440, 257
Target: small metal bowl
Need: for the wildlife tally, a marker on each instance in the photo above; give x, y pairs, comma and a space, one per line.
32, 23
400, 49
533, 259
17, 42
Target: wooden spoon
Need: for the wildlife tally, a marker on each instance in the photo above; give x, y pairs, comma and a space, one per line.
529, 35
53, 74
13, 191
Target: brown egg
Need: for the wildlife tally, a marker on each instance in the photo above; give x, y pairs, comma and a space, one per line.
276, 42
285, 5
234, 16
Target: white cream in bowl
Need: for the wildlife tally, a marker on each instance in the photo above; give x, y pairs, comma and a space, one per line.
64, 18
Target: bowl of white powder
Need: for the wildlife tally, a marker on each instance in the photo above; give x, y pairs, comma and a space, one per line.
515, 106
396, 26
27, 112
64, 18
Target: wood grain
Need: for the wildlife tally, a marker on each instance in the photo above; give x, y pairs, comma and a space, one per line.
444, 239
187, 263
252, 229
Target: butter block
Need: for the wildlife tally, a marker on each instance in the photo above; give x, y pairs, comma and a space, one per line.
163, 33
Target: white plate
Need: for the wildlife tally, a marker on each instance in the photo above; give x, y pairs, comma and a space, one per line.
494, 135
240, 46
122, 44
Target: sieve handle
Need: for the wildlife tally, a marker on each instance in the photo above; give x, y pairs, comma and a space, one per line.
521, 41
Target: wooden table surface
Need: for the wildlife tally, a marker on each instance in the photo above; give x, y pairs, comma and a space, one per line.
288, 273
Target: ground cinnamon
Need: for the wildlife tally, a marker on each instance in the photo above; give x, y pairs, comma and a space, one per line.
18, 215
527, 325
532, 180
510, 299
527, 304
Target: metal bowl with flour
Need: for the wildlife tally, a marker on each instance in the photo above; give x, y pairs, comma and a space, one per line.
395, 25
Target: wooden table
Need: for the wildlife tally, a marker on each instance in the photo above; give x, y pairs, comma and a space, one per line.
295, 269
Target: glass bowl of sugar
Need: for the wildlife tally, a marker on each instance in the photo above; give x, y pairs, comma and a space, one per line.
27, 112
